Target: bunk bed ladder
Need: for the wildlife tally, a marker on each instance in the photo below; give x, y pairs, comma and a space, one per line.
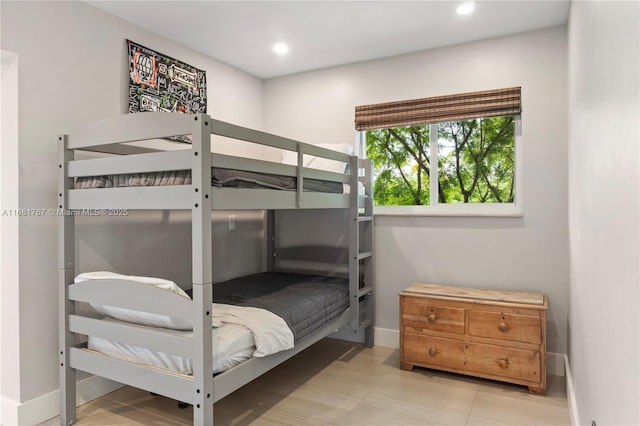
361, 250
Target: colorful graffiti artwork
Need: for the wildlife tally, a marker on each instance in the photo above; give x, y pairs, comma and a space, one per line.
158, 82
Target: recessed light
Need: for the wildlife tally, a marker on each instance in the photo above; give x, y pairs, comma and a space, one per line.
280, 48
466, 8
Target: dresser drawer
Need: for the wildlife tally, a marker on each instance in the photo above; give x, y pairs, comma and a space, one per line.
433, 351
419, 315
518, 328
502, 361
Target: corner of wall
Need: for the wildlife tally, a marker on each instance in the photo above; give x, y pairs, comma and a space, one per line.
571, 394
9, 262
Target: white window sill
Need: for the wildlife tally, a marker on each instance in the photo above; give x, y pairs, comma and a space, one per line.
453, 210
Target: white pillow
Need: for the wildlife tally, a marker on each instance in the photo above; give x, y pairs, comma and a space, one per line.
291, 157
138, 317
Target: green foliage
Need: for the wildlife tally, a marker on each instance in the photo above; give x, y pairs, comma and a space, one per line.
400, 159
475, 162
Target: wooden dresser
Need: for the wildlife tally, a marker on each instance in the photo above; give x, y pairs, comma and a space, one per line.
494, 334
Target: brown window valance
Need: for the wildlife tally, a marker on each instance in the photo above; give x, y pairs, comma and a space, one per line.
438, 109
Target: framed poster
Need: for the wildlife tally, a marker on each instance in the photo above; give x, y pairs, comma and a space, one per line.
158, 82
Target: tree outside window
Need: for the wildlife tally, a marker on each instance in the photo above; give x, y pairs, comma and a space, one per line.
475, 162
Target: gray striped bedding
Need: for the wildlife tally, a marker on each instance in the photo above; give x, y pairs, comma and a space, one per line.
219, 178
304, 302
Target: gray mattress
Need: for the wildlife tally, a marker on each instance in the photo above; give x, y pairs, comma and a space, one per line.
305, 302
219, 178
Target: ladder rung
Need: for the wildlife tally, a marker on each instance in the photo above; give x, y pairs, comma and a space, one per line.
364, 255
364, 291
364, 324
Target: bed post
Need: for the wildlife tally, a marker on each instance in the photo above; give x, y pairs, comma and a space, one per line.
66, 273
354, 248
271, 240
202, 270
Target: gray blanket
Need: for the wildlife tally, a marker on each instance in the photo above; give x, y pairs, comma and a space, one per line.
219, 178
304, 302
244, 179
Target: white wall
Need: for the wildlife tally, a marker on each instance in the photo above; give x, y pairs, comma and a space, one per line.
604, 215
526, 253
73, 70
9, 264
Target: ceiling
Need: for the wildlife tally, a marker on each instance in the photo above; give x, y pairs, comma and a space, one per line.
322, 34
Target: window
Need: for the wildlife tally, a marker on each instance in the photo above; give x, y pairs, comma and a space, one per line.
456, 165
401, 165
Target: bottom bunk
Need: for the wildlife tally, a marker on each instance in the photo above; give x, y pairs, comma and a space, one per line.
258, 322
180, 386
232, 344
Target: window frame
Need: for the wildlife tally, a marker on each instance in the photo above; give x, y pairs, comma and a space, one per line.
434, 208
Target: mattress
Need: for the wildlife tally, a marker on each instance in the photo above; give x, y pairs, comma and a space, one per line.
232, 344
304, 302
219, 178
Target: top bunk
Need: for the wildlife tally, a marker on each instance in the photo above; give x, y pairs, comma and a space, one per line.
138, 168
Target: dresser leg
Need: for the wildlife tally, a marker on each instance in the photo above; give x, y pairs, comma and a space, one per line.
405, 366
538, 391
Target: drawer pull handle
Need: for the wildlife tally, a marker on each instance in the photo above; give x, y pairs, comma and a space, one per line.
418, 329
503, 363
431, 318
433, 351
503, 327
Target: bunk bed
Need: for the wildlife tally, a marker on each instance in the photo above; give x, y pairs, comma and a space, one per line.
189, 327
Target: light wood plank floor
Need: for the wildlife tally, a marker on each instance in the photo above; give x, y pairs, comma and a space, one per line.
340, 383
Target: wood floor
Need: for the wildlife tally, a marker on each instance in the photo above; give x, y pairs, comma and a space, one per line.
340, 383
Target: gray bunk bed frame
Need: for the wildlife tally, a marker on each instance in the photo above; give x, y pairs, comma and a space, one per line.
112, 136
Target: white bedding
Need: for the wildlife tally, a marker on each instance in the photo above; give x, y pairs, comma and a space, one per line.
270, 332
232, 344
137, 317
238, 332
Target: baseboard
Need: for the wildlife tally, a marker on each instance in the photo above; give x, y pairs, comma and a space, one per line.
9, 413
47, 406
386, 337
571, 395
